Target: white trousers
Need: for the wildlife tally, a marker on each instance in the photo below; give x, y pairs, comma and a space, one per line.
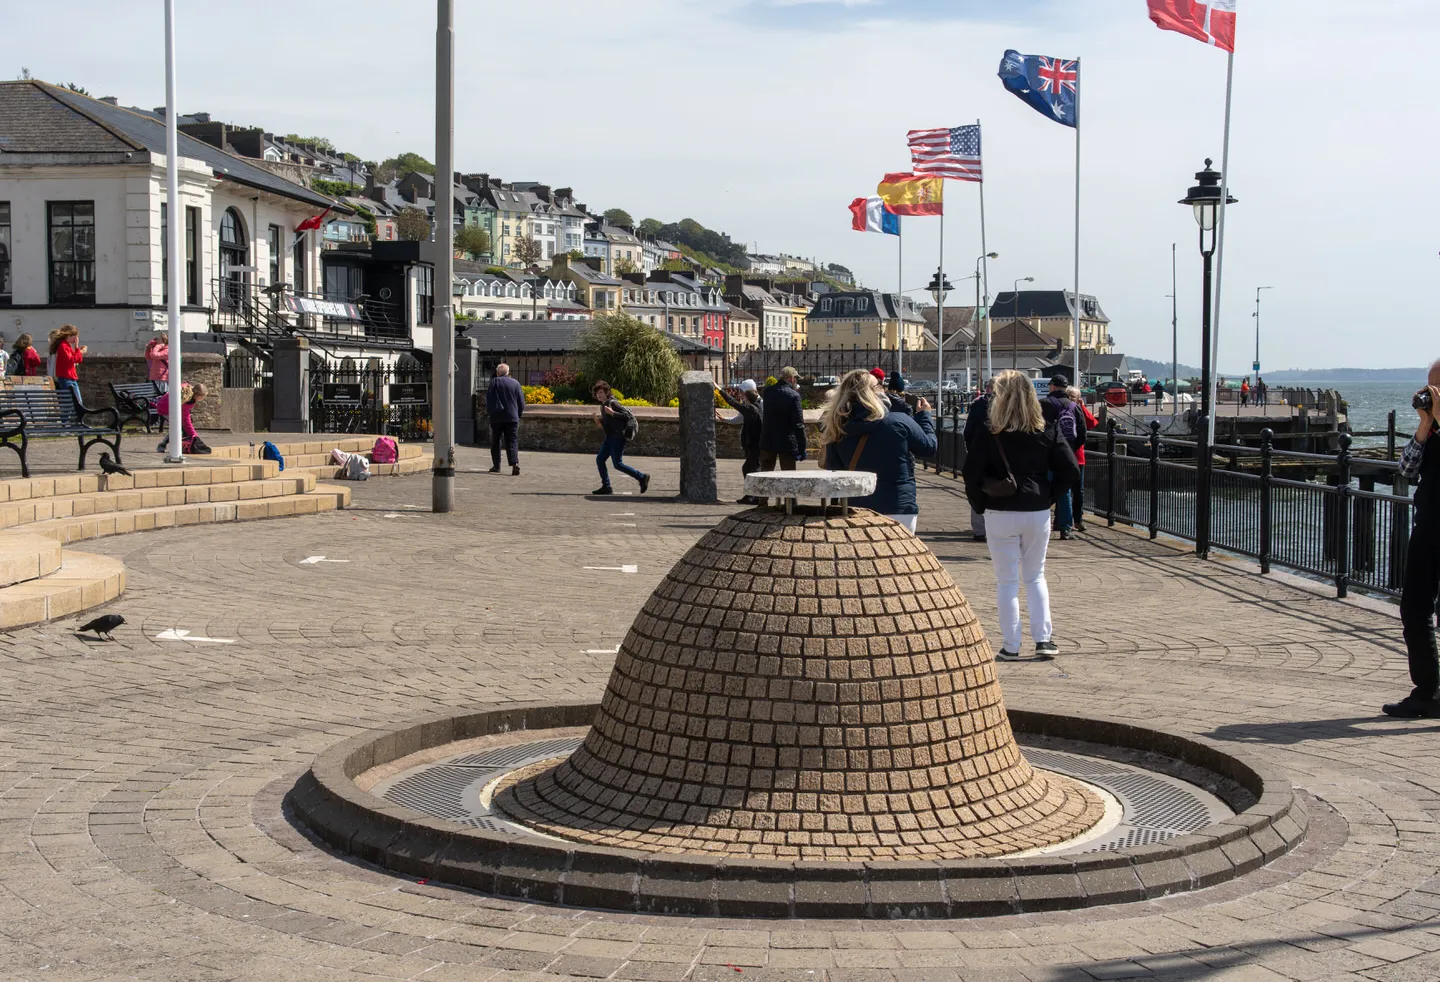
1018, 541
906, 520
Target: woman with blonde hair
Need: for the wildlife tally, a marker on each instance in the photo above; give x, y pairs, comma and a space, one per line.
858, 432
1015, 471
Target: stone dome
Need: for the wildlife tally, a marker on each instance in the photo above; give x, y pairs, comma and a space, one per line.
804, 687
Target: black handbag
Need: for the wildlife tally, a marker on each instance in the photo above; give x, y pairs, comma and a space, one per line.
1001, 487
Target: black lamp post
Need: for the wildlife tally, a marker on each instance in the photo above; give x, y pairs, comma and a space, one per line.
939, 288
1204, 198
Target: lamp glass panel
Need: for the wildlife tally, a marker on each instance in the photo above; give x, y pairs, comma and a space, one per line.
1205, 212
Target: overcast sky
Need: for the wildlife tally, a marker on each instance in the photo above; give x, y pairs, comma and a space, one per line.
763, 118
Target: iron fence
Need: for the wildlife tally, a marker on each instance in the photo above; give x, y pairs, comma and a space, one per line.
367, 399
245, 370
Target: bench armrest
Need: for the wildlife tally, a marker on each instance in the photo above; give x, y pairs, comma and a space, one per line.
8, 416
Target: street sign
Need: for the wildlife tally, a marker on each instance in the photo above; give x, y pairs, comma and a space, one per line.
409, 394
342, 393
1256, 367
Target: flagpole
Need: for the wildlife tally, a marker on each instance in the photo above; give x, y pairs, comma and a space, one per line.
940, 323
174, 219
900, 296
984, 274
1075, 328
1220, 250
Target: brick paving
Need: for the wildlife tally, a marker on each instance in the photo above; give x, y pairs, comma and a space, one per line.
141, 831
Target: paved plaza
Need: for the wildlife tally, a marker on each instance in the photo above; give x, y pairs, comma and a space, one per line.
142, 832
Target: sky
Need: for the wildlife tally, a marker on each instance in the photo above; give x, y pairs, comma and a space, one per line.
764, 118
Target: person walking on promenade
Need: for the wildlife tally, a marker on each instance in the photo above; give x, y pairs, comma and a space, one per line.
1261, 392
1016, 470
505, 404
859, 432
1244, 393
157, 362
895, 393
1420, 461
68, 355
27, 360
975, 422
751, 422
620, 427
1069, 425
782, 435
1077, 493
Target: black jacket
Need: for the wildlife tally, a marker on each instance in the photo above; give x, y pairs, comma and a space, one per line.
750, 422
886, 455
1427, 492
1044, 466
899, 405
505, 399
783, 429
977, 420
616, 424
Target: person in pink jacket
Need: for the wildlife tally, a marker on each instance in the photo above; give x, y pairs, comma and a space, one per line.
157, 358
190, 441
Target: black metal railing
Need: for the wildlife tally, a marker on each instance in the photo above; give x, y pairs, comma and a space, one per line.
245, 370
350, 399
244, 309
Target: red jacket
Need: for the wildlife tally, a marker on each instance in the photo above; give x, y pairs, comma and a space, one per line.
30, 362
66, 359
1091, 423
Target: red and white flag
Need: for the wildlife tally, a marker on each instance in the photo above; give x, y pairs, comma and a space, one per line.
1210, 21
313, 222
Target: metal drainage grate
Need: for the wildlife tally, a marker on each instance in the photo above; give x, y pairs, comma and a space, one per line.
1156, 806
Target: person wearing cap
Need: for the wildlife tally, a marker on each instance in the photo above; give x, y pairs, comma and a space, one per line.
1066, 422
782, 431
895, 394
751, 423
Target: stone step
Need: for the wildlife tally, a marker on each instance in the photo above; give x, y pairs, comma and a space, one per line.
402, 467
26, 556
29, 489
23, 513
314, 443
82, 581
324, 497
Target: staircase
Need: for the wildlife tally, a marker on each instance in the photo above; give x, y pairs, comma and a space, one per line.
43, 579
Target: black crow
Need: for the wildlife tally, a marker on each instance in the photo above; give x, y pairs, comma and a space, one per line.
104, 624
110, 467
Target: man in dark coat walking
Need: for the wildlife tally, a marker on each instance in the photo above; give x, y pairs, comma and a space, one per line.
505, 404
782, 433
751, 423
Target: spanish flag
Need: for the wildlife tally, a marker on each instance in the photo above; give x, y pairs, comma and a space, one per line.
913, 194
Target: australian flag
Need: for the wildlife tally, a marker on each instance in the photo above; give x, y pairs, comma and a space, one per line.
1051, 86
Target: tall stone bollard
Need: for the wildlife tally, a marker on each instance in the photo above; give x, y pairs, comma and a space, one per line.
291, 386
697, 438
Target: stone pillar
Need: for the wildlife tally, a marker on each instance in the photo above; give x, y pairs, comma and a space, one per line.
466, 369
291, 386
697, 438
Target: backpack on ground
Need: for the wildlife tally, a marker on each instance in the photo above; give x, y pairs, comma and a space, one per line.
357, 468
385, 451
268, 451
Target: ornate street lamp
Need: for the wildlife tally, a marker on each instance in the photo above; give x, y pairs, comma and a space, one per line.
939, 288
1204, 198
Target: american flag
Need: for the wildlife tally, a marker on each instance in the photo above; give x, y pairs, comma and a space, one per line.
953, 152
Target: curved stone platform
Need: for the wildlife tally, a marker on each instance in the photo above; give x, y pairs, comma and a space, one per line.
328, 801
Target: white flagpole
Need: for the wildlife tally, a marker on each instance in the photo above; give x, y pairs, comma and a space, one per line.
1220, 250
940, 321
1075, 328
174, 219
984, 269
899, 294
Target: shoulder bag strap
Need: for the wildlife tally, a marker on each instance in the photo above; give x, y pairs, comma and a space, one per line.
859, 449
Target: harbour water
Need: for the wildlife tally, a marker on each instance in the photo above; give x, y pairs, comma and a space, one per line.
1370, 403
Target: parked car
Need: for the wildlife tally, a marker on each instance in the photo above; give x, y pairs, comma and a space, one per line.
826, 381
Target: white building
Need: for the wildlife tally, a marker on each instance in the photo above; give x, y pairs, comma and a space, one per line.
82, 207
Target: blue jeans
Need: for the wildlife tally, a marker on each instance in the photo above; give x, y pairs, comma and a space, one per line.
614, 449
1065, 510
74, 387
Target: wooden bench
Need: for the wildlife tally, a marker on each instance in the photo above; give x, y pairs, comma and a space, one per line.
31, 411
136, 402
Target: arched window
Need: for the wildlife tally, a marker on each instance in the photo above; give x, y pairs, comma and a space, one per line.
234, 256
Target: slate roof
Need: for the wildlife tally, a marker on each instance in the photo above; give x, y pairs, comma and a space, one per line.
592, 275
740, 313
1045, 303
1019, 335
33, 119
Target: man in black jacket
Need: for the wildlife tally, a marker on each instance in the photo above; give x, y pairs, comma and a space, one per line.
504, 404
751, 423
1069, 424
895, 386
975, 422
1421, 460
782, 432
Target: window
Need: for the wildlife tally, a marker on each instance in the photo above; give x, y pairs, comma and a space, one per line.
847, 306
5, 289
829, 330
857, 330
425, 294
72, 251
192, 273
863, 303
825, 304
272, 240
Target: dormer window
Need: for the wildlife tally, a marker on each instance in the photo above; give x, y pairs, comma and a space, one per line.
825, 304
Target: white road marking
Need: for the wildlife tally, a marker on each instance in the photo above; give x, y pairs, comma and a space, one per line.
622, 514
627, 525
615, 569
176, 634
312, 560
604, 651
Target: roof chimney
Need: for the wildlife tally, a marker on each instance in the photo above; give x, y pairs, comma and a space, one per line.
110, 100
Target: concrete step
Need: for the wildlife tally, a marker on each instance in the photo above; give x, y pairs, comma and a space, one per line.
317, 446
23, 513
26, 556
323, 497
405, 465
82, 581
29, 489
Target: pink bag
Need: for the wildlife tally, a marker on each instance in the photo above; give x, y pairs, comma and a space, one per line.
385, 451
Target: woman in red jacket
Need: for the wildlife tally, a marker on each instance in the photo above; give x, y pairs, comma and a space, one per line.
1077, 492
68, 355
26, 359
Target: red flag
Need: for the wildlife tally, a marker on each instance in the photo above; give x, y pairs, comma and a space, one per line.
313, 222
1210, 21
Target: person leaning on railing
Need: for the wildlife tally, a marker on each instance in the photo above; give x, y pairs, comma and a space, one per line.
1421, 462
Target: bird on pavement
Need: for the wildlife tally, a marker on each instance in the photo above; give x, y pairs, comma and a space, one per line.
104, 624
110, 467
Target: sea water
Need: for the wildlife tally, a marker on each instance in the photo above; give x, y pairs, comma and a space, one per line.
1370, 405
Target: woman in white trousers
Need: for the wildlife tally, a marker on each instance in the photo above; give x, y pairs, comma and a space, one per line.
1013, 474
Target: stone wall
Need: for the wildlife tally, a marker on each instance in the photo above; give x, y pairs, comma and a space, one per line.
98, 371
572, 429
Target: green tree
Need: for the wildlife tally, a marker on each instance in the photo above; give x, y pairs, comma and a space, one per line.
626, 266
650, 228
472, 239
77, 88
619, 216
633, 357
676, 266
412, 224
527, 251
318, 142
575, 256
401, 165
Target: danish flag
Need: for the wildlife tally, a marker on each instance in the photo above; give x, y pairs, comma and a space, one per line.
1210, 21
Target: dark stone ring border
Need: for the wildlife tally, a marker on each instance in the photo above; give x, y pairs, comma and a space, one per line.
327, 800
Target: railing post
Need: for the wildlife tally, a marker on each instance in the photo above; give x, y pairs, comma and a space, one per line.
1112, 483
1267, 473
1154, 478
955, 441
1204, 465
1390, 436
1399, 533
1342, 520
